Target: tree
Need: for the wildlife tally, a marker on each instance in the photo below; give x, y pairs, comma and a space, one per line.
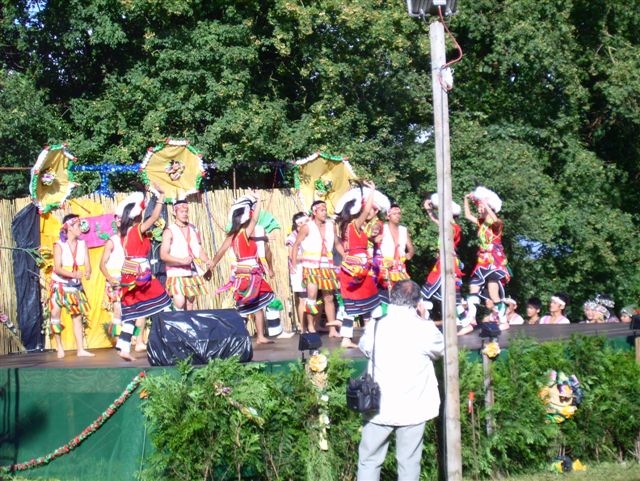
544, 109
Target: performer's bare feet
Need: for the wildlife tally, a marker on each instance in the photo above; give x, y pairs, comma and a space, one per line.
348, 343
83, 353
263, 340
465, 330
140, 347
60, 353
334, 333
286, 335
126, 356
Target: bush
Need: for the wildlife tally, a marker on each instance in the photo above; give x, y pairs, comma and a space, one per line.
605, 427
229, 420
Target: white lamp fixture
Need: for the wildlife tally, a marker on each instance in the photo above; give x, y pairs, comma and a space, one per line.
423, 8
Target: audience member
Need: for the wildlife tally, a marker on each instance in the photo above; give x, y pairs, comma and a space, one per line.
405, 347
626, 313
513, 318
534, 306
557, 305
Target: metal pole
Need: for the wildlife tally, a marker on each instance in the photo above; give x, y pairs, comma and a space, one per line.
443, 172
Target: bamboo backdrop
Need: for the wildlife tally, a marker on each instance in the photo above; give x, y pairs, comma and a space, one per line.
208, 211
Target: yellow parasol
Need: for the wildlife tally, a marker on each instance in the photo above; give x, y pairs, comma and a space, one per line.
51, 178
175, 166
323, 177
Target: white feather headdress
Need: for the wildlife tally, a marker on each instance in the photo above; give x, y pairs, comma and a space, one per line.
244, 203
380, 200
137, 198
490, 197
455, 207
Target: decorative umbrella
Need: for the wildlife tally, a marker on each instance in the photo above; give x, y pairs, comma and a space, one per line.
175, 166
51, 178
323, 177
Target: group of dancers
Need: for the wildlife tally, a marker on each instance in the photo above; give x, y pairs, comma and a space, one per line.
343, 268
132, 291
371, 258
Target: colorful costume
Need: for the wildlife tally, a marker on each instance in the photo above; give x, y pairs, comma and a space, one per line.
431, 287
251, 291
491, 264
296, 279
113, 293
69, 293
357, 281
185, 280
142, 295
391, 257
317, 257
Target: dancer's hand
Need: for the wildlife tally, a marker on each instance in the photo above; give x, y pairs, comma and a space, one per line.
159, 189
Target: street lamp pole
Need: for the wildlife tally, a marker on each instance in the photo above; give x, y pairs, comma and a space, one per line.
453, 442
447, 268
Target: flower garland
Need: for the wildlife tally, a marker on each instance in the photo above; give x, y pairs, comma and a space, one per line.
4, 319
78, 440
317, 367
491, 349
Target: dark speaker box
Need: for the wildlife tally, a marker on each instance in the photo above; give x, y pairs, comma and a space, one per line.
199, 335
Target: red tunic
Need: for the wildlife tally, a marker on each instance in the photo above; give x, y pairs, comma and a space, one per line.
141, 299
435, 273
357, 282
249, 270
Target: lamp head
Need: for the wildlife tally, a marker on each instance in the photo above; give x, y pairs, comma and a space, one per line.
423, 8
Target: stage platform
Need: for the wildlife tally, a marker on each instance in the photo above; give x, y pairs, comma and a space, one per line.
46, 402
286, 350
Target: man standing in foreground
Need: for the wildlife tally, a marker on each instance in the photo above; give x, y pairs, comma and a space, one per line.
405, 346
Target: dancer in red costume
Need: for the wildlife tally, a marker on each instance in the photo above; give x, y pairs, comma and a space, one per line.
143, 294
251, 291
358, 286
431, 289
491, 272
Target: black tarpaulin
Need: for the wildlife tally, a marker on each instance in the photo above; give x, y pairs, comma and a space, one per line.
201, 335
25, 229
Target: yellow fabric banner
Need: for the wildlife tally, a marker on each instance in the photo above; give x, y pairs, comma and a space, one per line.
95, 333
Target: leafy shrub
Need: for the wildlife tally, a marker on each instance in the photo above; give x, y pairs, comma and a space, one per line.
229, 420
606, 425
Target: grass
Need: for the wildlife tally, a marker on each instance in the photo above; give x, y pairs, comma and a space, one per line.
600, 472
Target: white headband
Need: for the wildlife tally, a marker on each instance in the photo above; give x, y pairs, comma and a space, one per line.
557, 300
302, 220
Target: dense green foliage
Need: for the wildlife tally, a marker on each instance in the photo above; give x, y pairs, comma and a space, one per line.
199, 434
545, 109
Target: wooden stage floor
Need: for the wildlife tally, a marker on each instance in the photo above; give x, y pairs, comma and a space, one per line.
280, 351
283, 350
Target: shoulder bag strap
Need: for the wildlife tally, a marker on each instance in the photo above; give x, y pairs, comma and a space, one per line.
373, 351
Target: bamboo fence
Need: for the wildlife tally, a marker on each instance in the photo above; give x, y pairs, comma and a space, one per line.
209, 212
